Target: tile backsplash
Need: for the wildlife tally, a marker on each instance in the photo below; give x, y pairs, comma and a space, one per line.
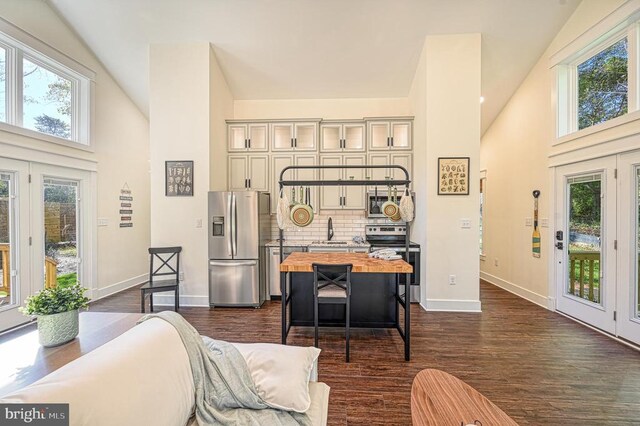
346, 225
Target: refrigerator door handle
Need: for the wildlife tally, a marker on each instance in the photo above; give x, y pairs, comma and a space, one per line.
234, 226
231, 264
230, 226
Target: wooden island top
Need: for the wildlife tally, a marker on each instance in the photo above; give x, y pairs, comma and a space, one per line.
302, 261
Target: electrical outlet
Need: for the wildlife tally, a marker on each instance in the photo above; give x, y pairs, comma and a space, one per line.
181, 276
528, 221
495, 262
198, 223
465, 223
452, 280
103, 221
544, 222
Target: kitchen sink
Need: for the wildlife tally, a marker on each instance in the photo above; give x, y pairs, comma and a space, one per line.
330, 242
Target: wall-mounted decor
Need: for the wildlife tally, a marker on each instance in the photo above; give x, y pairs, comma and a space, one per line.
179, 178
535, 238
453, 176
126, 207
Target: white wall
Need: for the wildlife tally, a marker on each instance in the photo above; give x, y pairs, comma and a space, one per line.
452, 117
221, 104
188, 97
514, 152
121, 141
321, 108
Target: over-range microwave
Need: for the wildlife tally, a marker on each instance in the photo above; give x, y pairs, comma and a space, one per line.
383, 195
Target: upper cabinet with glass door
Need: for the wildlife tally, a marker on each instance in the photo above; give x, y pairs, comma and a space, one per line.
253, 137
294, 136
390, 134
342, 136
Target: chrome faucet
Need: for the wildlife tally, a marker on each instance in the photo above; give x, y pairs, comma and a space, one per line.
329, 229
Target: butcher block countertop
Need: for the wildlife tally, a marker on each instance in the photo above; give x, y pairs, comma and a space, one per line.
302, 261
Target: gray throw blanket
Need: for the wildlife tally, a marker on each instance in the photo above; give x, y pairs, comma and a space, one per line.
225, 392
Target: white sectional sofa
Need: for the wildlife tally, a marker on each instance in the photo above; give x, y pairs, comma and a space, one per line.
140, 377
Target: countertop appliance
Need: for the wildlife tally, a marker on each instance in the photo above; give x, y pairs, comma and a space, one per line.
383, 195
382, 236
274, 267
239, 224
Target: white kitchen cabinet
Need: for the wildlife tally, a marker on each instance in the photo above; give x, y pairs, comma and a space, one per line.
404, 159
248, 172
279, 162
389, 135
342, 197
342, 137
249, 137
301, 136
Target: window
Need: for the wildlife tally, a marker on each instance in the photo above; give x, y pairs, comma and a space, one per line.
46, 100
603, 85
43, 93
597, 84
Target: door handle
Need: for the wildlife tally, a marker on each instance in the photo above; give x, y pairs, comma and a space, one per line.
234, 226
230, 225
560, 245
237, 263
249, 143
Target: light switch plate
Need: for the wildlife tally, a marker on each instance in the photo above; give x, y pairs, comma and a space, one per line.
198, 223
465, 223
528, 221
544, 222
103, 221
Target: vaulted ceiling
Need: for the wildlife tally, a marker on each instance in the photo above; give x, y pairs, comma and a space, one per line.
297, 49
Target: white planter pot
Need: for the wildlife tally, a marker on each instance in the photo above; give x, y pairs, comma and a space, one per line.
59, 328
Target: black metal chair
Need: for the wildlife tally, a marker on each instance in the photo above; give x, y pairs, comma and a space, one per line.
165, 255
328, 290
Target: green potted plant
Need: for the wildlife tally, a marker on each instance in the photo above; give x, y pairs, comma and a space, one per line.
57, 312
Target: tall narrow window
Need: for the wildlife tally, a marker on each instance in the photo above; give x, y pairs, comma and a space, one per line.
603, 85
46, 101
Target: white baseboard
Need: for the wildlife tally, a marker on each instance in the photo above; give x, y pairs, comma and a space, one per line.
451, 305
162, 299
529, 295
99, 293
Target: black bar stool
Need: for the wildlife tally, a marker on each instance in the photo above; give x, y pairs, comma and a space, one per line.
328, 290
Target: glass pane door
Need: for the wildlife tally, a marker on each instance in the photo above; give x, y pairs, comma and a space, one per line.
585, 240
60, 198
14, 234
7, 232
585, 228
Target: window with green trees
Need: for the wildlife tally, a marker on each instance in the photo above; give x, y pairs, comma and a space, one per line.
603, 85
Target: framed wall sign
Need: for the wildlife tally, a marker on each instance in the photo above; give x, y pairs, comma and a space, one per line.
179, 178
453, 176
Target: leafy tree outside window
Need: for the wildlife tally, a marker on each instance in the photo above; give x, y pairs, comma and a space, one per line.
603, 86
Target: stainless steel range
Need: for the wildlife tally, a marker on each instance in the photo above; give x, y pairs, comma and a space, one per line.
383, 236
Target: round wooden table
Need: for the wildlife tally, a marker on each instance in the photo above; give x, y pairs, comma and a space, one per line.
438, 398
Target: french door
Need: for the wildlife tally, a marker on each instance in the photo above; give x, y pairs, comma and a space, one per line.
42, 232
597, 243
628, 317
585, 242
14, 240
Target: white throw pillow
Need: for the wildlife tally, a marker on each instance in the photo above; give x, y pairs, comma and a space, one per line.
281, 373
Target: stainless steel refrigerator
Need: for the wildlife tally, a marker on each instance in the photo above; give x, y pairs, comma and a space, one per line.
239, 225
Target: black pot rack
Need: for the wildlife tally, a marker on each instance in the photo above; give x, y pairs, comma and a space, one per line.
403, 300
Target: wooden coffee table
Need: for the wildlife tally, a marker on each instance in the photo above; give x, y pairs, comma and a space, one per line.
438, 398
24, 361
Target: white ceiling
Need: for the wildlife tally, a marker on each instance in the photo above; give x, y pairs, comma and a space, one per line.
296, 49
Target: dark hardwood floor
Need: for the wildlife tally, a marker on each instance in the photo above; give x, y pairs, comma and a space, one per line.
539, 367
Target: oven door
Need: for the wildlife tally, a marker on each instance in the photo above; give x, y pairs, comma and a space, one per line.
414, 261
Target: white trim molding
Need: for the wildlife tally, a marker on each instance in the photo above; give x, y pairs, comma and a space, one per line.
99, 293
167, 299
522, 292
452, 305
